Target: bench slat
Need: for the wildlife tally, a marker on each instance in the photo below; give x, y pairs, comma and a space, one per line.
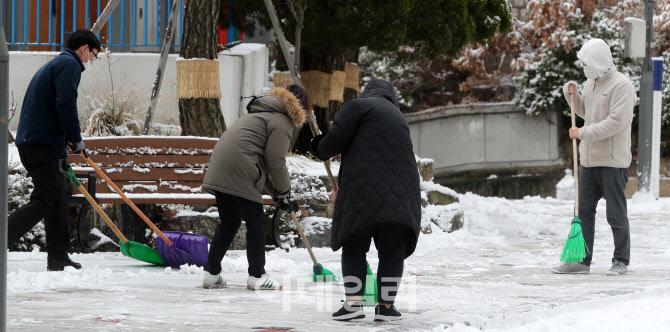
162, 199
181, 187
148, 161
161, 144
152, 174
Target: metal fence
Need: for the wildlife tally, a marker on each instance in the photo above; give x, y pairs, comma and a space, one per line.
135, 25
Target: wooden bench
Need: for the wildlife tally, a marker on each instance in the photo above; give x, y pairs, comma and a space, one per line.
149, 170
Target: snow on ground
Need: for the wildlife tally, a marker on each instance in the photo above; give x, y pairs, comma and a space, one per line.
491, 275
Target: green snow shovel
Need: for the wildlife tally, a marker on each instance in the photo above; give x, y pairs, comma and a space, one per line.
128, 248
574, 250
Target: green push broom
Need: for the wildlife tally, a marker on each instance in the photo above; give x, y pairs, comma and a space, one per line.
320, 273
574, 250
324, 275
370, 293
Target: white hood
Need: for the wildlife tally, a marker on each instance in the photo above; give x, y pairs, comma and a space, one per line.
596, 55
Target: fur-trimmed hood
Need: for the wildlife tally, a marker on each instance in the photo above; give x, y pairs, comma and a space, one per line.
279, 100
292, 104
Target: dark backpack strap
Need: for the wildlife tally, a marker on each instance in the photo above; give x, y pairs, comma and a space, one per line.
253, 99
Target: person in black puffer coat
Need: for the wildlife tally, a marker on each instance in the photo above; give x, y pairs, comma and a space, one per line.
379, 196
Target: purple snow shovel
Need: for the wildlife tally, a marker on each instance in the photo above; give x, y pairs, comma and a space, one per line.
194, 244
175, 248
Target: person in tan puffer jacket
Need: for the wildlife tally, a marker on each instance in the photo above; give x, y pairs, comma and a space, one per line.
606, 105
251, 157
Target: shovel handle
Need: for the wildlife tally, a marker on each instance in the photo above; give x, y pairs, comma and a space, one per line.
127, 200
102, 214
302, 235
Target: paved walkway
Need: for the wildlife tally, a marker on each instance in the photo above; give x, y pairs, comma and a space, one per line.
492, 273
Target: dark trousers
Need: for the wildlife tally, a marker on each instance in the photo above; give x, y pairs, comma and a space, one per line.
391, 241
232, 210
608, 182
47, 201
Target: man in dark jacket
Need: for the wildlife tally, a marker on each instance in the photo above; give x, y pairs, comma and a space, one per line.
48, 122
379, 195
250, 157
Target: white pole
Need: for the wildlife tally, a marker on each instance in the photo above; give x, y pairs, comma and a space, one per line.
656, 127
646, 108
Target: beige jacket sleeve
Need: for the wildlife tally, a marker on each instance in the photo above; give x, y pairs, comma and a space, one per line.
579, 101
622, 101
274, 156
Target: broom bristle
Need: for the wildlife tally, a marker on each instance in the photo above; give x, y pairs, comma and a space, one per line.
574, 250
370, 293
322, 274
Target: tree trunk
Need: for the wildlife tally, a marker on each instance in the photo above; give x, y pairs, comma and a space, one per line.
200, 116
351, 94
325, 62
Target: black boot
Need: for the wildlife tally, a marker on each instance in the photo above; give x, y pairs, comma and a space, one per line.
384, 314
60, 264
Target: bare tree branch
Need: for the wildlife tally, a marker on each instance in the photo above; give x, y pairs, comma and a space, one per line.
282, 42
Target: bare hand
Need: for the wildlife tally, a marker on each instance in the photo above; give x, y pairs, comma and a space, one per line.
571, 89
574, 132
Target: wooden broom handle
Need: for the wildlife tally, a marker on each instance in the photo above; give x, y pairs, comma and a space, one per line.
102, 214
304, 238
574, 155
126, 199
311, 120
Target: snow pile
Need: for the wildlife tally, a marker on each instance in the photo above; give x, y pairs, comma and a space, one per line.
315, 225
440, 216
565, 189
18, 193
102, 239
432, 186
303, 165
13, 157
308, 188
93, 278
622, 313
309, 179
191, 213
424, 161
189, 269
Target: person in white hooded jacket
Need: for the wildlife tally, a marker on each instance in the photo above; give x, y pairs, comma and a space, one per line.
606, 105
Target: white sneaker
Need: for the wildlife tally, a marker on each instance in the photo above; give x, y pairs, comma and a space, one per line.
263, 283
212, 281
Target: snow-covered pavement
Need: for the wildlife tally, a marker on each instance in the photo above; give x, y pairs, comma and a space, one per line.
493, 275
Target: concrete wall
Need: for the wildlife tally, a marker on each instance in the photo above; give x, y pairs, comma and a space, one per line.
253, 71
484, 136
130, 76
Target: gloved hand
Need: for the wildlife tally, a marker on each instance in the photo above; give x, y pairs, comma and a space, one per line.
78, 148
284, 202
62, 165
